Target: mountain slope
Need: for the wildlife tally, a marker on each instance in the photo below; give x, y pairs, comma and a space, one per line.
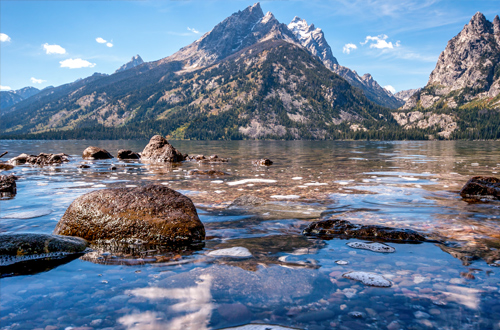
314, 41
9, 98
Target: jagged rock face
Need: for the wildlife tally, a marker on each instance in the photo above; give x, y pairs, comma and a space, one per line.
240, 30
135, 61
469, 67
417, 119
313, 40
406, 94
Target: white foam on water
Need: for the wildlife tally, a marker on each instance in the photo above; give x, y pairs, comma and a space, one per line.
237, 251
99, 186
297, 178
217, 181
234, 183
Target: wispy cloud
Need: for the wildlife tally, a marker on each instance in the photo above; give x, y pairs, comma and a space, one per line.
4, 37
348, 48
100, 40
193, 30
76, 63
380, 42
53, 49
5, 88
37, 81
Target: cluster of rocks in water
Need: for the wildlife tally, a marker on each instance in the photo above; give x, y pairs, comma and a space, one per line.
42, 159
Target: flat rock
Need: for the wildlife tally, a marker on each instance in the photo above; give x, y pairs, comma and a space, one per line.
8, 186
43, 159
22, 247
375, 247
96, 153
344, 228
127, 154
368, 279
159, 150
152, 214
479, 187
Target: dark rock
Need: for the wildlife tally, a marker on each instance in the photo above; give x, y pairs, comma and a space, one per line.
202, 159
346, 229
152, 214
83, 166
8, 185
481, 187
42, 159
96, 153
5, 167
263, 162
159, 150
127, 154
207, 172
32, 253
112, 168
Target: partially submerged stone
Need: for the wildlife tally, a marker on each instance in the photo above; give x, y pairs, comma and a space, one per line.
8, 185
263, 162
16, 248
207, 173
96, 153
247, 200
479, 187
43, 159
159, 150
344, 228
213, 159
152, 214
375, 247
127, 154
368, 279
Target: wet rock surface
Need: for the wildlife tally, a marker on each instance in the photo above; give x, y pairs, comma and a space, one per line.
128, 154
263, 162
212, 159
8, 186
480, 187
375, 247
159, 150
150, 214
95, 153
215, 173
42, 159
344, 228
368, 279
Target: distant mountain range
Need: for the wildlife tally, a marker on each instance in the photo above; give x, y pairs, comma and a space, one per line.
254, 77
9, 98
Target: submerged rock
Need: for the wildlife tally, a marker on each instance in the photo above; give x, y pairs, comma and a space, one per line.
8, 185
263, 162
375, 247
207, 172
368, 279
127, 154
21, 247
152, 214
247, 200
213, 159
336, 227
96, 153
42, 159
159, 150
481, 187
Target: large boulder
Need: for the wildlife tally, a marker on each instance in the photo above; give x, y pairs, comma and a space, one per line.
153, 214
8, 185
42, 159
22, 247
343, 228
96, 153
159, 150
481, 187
127, 154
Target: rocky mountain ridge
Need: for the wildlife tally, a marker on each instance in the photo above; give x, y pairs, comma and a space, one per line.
9, 98
135, 61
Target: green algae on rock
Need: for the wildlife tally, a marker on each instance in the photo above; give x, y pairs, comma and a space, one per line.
151, 214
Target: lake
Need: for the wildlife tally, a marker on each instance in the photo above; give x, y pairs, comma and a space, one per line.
289, 279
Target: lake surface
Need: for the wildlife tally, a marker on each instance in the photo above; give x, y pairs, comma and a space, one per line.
289, 280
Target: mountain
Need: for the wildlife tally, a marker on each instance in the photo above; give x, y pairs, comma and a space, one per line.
406, 94
9, 98
314, 41
247, 78
462, 96
135, 61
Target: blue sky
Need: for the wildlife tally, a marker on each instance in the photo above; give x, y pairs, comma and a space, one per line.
47, 43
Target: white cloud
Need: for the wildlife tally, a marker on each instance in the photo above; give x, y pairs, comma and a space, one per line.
54, 49
76, 63
37, 81
193, 30
380, 42
109, 44
100, 40
348, 47
5, 88
390, 89
4, 37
